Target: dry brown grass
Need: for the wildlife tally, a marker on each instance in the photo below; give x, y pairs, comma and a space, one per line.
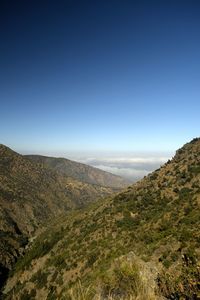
128, 279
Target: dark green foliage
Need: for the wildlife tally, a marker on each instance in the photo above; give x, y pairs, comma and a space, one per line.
52, 294
92, 259
186, 285
184, 193
39, 249
25, 296
23, 240
166, 263
128, 223
32, 294
194, 169
28, 296
40, 278
59, 262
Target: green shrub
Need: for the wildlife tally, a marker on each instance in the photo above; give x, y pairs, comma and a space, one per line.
40, 279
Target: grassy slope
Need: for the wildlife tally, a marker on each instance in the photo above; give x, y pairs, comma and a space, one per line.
157, 218
31, 194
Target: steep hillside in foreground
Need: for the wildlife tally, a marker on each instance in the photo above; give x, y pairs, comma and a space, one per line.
29, 196
81, 171
141, 244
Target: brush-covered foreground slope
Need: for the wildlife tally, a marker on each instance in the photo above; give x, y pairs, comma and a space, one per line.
30, 194
144, 243
81, 171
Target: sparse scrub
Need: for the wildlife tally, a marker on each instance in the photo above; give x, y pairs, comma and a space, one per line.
127, 279
79, 292
157, 220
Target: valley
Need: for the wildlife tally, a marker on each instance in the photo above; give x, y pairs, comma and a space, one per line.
31, 194
141, 243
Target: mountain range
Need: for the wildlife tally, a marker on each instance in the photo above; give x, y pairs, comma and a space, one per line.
80, 171
35, 189
141, 243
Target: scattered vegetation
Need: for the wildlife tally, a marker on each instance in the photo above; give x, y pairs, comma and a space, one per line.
32, 193
87, 253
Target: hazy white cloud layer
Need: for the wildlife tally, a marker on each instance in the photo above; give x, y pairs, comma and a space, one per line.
131, 165
132, 168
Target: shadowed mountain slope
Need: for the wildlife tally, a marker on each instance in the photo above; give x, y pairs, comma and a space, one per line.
143, 243
81, 171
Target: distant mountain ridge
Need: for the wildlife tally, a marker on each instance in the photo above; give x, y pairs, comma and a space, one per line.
81, 171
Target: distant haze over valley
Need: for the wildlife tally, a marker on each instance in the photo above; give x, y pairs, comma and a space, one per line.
130, 165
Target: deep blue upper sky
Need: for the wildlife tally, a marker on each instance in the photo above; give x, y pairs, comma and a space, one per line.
99, 75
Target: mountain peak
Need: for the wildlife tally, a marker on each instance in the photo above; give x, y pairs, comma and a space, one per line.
3, 147
5, 150
189, 150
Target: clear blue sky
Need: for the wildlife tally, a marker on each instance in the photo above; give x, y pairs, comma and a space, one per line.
99, 75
